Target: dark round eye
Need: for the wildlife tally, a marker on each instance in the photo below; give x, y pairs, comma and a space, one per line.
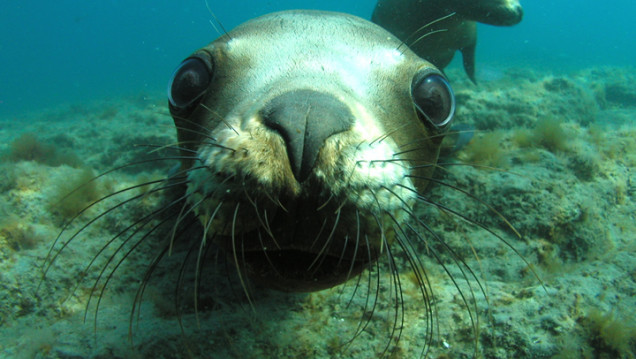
189, 82
434, 99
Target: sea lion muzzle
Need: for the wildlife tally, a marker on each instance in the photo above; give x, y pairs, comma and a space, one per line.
305, 119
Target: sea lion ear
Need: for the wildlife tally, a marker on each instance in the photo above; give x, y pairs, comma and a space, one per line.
433, 99
189, 82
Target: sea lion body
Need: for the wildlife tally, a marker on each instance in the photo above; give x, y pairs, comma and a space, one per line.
310, 143
404, 18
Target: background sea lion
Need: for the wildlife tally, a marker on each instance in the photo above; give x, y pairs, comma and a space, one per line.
303, 149
404, 18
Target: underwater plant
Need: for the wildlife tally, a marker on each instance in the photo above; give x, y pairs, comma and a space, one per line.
485, 149
17, 233
28, 147
549, 133
75, 194
613, 334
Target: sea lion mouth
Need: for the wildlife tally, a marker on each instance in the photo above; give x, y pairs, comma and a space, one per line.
301, 246
298, 271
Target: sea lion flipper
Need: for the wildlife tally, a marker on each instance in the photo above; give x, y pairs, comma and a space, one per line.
468, 56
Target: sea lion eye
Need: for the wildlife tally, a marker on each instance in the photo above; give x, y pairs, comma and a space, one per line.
189, 81
434, 99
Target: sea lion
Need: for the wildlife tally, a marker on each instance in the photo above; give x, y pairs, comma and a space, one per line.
305, 140
407, 19
304, 148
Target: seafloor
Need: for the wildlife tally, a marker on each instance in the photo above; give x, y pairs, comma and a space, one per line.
554, 154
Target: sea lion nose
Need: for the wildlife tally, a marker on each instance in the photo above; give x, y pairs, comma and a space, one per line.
305, 119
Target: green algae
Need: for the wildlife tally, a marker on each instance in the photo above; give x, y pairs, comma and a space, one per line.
72, 196
28, 147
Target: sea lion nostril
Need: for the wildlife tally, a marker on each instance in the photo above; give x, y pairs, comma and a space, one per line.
305, 119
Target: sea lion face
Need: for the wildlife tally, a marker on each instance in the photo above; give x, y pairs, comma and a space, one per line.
308, 136
492, 12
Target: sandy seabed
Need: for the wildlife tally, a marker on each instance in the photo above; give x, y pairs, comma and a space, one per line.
554, 154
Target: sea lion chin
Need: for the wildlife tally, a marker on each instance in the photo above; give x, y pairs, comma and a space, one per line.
306, 138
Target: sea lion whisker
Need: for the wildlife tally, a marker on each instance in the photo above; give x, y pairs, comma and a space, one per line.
269, 229
442, 166
410, 150
475, 198
197, 271
220, 118
364, 322
192, 208
322, 227
175, 146
196, 132
355, 248
179, 283
194, 123
353, 260
462, 266
269, 260
52, 255
392, 160
395, 288
485, 167
355, 255
422, 278
424, 140
322, 254
155, 262
236, 260
275, 201
427, 35
169, 146
264, 224
117, 169
422, 28
331, 195
140, 290
357, 245
456, 258
381, 138
140, 223
485, 228
117, 265
217, 21
177, 222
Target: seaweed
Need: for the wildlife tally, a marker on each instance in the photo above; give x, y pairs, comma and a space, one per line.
74, 195
522, 137
549, 134
585, 164
485, 150
27, 147
611, 334
17, 233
